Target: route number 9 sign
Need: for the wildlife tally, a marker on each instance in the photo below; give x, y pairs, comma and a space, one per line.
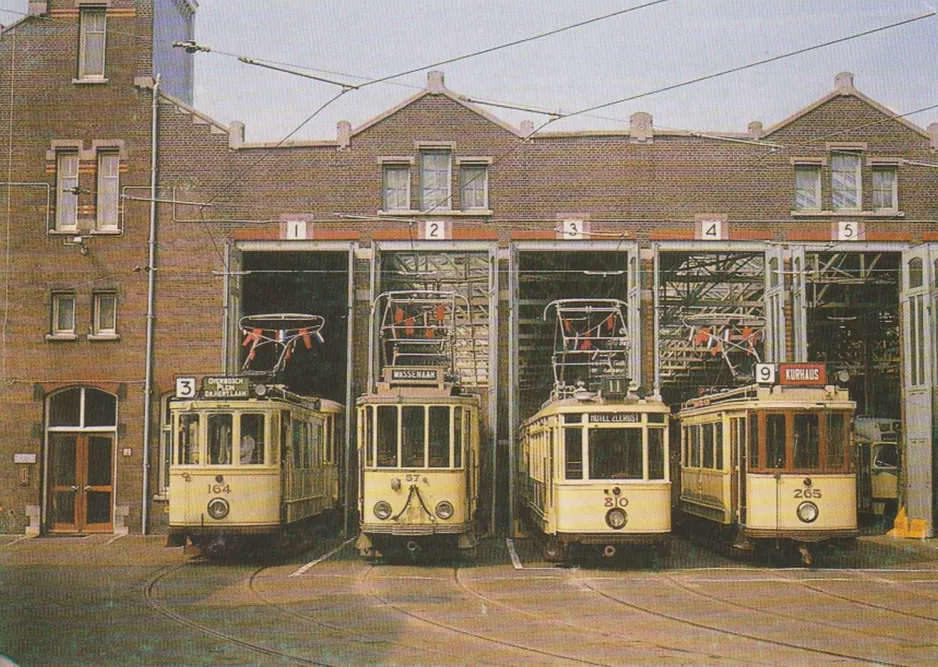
765, 373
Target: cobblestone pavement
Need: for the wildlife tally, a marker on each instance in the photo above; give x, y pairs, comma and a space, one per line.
129, 600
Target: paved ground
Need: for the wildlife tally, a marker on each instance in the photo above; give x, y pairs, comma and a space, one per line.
131, 601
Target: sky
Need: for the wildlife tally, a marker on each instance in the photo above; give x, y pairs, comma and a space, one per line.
657, 46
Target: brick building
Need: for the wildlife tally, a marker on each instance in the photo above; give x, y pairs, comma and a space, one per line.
816, 232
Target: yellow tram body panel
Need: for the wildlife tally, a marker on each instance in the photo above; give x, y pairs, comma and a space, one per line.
773, 503
582, 508
253, 495
413, 496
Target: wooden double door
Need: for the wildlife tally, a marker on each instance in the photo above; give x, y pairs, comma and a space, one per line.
81, 487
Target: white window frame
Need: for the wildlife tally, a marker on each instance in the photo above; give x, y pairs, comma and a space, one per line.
386, 169
469, 165
108, 194
843, 154
443, 202
59, 297
86, 14
66, 182
103, 330
815, 170
881, 168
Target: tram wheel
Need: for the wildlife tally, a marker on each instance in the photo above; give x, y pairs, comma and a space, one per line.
555, 550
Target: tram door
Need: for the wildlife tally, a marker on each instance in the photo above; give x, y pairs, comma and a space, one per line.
81, 485
918, 302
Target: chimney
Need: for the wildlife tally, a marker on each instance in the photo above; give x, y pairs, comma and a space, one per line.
933, 133
527, 128
235, 134
38, 7
640, 128
843, 82
755, 129
344, 134
435, 81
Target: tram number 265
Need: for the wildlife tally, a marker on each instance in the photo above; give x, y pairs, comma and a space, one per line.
807, 493
219, 488
617, 502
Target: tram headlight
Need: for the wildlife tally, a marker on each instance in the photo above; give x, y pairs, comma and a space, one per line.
616, 518
444, 509
807, 512
218, 508
382, 509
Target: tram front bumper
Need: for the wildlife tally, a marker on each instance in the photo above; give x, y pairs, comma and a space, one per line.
415, 530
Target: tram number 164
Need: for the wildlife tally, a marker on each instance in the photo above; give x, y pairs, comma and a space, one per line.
617, 502
219, 488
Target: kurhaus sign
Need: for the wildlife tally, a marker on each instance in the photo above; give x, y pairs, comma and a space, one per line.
804, 375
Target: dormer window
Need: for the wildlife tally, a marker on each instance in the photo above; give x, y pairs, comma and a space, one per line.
91, 43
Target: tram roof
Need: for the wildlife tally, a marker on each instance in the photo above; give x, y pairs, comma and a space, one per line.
772, 396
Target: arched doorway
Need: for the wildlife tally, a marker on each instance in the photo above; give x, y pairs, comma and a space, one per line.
81, 427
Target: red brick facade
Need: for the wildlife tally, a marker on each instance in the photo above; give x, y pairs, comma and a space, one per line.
630, 190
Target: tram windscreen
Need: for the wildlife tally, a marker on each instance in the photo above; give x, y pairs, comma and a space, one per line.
252, 439
457, 437
656, 453
615, 453
387, 436
219, 439
775, 441
807, 441
573, 452
412, 436
187, 440
438, 447
836, 439
885, 457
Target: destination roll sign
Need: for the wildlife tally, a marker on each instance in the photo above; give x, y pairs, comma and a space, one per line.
614, 418
802, 375
225, 387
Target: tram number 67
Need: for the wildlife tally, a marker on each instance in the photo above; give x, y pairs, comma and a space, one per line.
218, 488
807, 493
617, 502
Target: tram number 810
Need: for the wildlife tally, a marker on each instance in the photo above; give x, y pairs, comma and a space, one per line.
617, 502
807, 493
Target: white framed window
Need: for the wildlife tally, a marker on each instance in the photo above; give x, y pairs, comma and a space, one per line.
396, 187
92, 41
885, 188
63, 314
807, 187
108, 201
845, 181
66, 191
474, 186
166, 446
435, 180
104, 314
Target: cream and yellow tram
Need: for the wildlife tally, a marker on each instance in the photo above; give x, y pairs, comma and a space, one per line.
251, 470
593, 461
418, 434
771, 466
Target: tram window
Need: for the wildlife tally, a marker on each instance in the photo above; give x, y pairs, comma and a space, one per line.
885, 457
656, 453
413, 436
806, 443
219, 439
369, 437
718, 445
387, 436
775, 441
694, 432
655, 417
252, 439
187, 439
457, 437
707, 445
615, 453
836, 439
573, 452
753, 441
438, 446
327, 453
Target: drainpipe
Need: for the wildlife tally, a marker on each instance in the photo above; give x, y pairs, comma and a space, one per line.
151, 288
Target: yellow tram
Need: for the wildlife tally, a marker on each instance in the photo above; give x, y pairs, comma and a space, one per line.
253, 464
593, 461
771, 465
878, 466
418, 434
